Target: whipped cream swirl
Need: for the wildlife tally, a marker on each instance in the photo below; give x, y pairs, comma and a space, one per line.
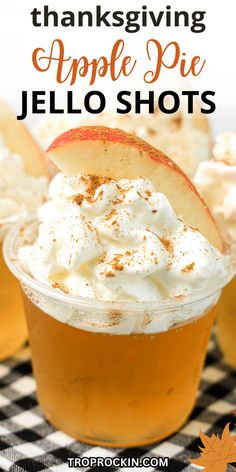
216, 181
20, 194
117, 240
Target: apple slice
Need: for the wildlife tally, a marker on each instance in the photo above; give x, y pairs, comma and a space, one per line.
113, 153
19, 140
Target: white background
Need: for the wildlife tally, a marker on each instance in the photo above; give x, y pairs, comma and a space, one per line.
18, 38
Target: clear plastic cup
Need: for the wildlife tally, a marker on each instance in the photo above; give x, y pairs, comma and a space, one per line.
226, 323
116, 374
13, 331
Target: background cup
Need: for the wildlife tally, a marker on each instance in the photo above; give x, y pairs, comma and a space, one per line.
226, 323
13, 330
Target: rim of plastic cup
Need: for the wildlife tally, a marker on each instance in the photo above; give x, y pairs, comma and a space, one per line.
159, 305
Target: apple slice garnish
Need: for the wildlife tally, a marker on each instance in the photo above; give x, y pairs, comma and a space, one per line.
106, 152
19, 140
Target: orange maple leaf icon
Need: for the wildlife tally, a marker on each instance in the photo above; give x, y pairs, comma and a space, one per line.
217, 452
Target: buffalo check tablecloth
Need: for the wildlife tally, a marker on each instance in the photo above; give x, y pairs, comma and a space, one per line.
28, 443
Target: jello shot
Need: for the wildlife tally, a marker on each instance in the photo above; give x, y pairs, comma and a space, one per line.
216, 181
120, 277
22, 191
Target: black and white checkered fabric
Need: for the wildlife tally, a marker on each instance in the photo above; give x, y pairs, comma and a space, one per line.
28, 443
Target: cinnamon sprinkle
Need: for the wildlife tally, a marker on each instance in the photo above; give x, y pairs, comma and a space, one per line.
110, 215
167, 244
129, 253
78, 199
109, 274
116, 262
142, 196
117, 266
188, 268
93, 182
61, 286
116, 316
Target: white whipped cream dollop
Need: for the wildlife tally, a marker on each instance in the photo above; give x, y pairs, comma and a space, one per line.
117, 240
20, 194
216, 181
